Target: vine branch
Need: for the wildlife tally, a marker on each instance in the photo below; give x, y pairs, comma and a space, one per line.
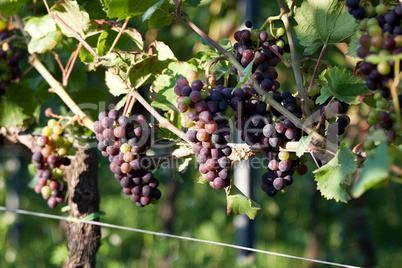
57, 88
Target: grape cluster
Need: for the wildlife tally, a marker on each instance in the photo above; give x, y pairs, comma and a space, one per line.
255, 45
50, 155
125, 144
207, 114
9, 64
280, 170
380, 34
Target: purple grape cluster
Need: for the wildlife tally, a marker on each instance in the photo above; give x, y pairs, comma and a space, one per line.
9, 65
210, 113
125, 144
246, 49
280, 170
49, 157
380, 35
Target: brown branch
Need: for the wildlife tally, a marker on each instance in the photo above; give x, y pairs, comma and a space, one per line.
57, 88
119, 35
71, 65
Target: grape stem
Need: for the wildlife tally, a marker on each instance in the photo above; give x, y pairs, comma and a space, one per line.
57, 88
316, 67
119, 35
323, 113
55, 17
165, 123
394, 87
294, 59
70, 65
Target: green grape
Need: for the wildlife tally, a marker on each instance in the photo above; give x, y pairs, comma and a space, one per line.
368, 145
372, 22
363, 23
280, 31
253, 35
186, 101
204, 95
47, 131
228, 111
375, 30
384, 68
59, 141
39, 142
377, 96
283, 155
46, 191
124, 148
51, 123
373, 115
57, 129
381, 9
370, 11
62, 151
382, 104
280, 43
398, 40
71, 139
191, 76
57, 172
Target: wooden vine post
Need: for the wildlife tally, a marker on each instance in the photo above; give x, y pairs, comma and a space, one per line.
83, 240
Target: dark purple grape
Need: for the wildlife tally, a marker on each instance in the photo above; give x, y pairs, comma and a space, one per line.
271, 191
197, 85
114, 114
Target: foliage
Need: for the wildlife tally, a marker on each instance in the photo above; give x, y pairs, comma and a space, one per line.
125, 59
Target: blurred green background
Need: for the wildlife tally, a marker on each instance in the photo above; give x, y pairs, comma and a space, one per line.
364, 232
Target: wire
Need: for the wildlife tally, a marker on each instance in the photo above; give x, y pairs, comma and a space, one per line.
43, 215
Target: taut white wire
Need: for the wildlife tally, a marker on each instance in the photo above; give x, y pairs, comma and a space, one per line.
43, 215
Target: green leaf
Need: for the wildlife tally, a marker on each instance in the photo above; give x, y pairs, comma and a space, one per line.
193, 3
17, 105
303, 144
11, 7
116, 88
323, 22
247, 72
161, 17
140, 67
341, 83
163, 87
44, 33
353, 46
122, 9
71, 13
183, 166
374, 171
148, 14
238, 203
331, 177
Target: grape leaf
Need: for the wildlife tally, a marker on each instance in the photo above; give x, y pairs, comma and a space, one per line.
341, 83
122, 9
44, 33
238, 203
71, 13
353, 46
163, 87
148, 14
331, 177
11, 7
193, 3
116, 87
161, 17
303, 144
374, 171
17, 105
323, 22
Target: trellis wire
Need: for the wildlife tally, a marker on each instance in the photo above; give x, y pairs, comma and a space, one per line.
49, 216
